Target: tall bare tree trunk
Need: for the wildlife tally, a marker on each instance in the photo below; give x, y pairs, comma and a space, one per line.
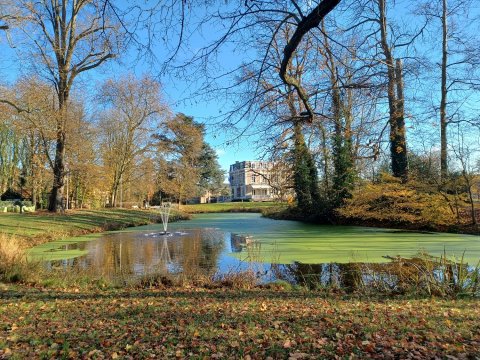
32, 170
398, 142
443, 100
56, 195
343, 161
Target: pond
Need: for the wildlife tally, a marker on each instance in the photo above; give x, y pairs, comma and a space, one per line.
223, 243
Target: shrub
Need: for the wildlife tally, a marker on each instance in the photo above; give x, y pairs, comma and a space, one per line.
423, 275
390, 201
235, 280
13, 262
14, 206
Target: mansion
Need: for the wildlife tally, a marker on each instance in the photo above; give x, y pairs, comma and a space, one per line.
251, 180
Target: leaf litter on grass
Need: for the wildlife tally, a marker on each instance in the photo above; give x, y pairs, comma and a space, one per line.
256, 324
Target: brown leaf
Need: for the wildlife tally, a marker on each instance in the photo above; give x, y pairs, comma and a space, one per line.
295, 356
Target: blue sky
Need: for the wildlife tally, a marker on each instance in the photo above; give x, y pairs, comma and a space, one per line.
228, 149
179, 90
176, 91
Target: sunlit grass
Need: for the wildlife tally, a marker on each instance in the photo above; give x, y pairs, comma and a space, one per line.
43, 223
228, 207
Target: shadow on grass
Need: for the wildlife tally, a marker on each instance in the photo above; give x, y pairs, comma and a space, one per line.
33, 295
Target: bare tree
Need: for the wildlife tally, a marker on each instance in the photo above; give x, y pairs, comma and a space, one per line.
444, 92
32, 116
304, 25
36, 122
68, 37
398, 142
458, 64
135, 109
464, 153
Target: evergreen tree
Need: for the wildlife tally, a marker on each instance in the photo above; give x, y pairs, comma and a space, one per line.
211, 175
305, 176
344, 175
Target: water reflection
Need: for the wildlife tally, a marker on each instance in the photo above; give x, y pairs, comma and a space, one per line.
196, 251
208, 252
239, 243
422, 273
346, 276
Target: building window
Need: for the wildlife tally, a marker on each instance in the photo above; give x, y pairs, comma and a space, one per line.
253, 178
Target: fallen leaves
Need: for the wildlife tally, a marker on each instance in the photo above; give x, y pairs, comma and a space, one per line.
233, 324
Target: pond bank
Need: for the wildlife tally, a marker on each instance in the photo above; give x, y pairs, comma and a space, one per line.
37, 228
20, 232
241, 207
291, 213
467, 229
318, 256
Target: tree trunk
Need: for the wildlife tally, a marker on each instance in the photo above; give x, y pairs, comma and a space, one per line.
55, 203
56, 200
443, 100
34, 194
305, 175
33, 166
326, 157
472, 205
398, 143
56, 196
114, 196
343, 161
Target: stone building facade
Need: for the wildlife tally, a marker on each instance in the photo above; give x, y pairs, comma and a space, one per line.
250, 180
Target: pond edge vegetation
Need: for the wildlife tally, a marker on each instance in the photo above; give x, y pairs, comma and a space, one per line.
14, 241
453, 279
389, 203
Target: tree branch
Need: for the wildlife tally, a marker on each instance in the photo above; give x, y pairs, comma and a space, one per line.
311, 21
16, 107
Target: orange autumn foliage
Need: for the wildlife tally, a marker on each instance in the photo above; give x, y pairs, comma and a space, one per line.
390, 201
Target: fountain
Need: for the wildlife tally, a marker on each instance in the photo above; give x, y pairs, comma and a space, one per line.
165, 214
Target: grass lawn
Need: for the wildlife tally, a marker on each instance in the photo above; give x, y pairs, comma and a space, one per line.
225, 323
44, 226
228, 207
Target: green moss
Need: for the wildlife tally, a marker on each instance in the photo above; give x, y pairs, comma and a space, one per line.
281, 241
59, 249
